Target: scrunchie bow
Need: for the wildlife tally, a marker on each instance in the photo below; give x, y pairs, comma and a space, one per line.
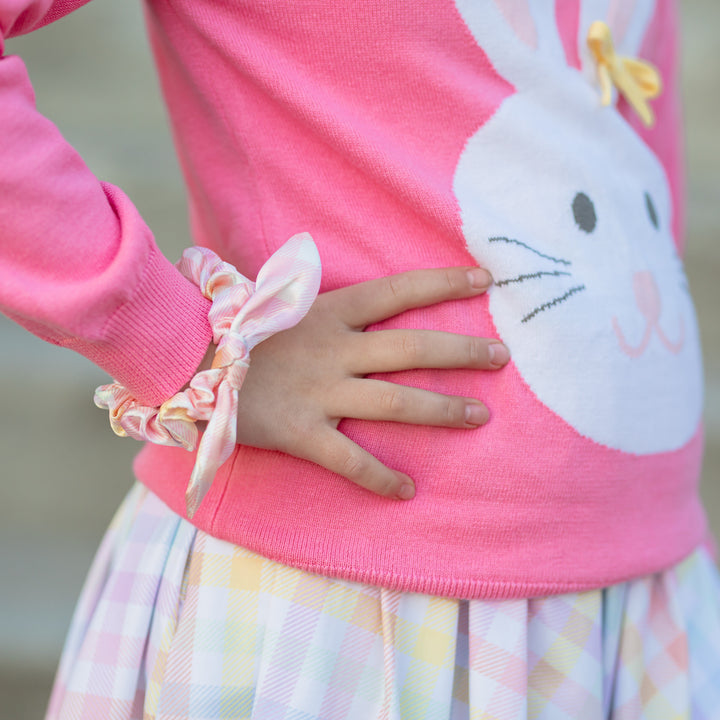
637, 80
243, 314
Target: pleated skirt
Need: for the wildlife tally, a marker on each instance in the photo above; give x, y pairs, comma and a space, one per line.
174, 624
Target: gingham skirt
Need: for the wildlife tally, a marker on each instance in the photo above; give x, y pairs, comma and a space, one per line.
175, 624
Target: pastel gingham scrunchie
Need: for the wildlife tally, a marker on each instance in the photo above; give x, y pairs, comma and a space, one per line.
243, 314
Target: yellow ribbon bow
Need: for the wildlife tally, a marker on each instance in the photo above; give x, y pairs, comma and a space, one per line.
637, 80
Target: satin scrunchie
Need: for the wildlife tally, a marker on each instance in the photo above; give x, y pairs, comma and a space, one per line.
243, 314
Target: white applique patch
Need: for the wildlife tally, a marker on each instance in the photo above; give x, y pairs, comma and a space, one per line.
571, 213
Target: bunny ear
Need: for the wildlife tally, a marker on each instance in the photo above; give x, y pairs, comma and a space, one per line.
518, 16
549, 42
518, 36
628, 21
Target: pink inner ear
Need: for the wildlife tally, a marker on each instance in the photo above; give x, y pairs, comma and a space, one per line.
518, 16
567, 17
618, 18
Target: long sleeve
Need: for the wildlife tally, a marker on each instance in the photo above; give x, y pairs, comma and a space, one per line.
78, 266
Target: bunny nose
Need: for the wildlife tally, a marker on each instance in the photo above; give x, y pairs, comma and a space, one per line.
647, 295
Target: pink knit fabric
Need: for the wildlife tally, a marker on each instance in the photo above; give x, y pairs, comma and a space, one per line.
350, 124
78, 266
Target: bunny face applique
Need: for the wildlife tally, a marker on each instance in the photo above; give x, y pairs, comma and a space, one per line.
571, 212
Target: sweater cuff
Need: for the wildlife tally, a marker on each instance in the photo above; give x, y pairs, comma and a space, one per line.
154, 343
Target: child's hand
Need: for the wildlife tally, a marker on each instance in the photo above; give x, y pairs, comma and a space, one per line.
304, 380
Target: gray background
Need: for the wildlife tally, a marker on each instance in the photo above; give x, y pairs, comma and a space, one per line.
64, 473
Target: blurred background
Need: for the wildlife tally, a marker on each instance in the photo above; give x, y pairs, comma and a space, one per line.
64, 472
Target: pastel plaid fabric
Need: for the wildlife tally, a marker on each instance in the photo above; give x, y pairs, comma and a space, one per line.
174, 624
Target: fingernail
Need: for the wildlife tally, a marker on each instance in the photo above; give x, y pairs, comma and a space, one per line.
475, 413
498, 354
479, 279
406, 491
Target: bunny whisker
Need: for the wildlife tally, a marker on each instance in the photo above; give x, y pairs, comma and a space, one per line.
552, 303
530, 276
562, 261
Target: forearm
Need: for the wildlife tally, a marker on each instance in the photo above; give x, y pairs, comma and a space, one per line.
78, 266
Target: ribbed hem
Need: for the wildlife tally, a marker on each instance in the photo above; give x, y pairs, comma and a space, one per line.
154, 343
482, 588
293, 513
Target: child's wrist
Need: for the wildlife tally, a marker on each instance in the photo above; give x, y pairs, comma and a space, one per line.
243, 314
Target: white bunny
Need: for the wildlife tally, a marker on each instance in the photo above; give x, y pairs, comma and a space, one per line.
571, 212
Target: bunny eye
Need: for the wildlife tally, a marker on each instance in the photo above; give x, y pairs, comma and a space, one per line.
651, 211
584, 212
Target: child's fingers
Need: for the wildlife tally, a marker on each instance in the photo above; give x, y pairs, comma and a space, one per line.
377, 400
336, 452
374, 300
394, 350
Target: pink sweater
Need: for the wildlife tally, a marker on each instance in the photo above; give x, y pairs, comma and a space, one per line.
407, 134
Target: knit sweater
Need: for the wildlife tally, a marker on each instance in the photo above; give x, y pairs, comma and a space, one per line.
402, 135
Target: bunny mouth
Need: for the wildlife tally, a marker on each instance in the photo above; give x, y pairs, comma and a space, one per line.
639, 349
647, 299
